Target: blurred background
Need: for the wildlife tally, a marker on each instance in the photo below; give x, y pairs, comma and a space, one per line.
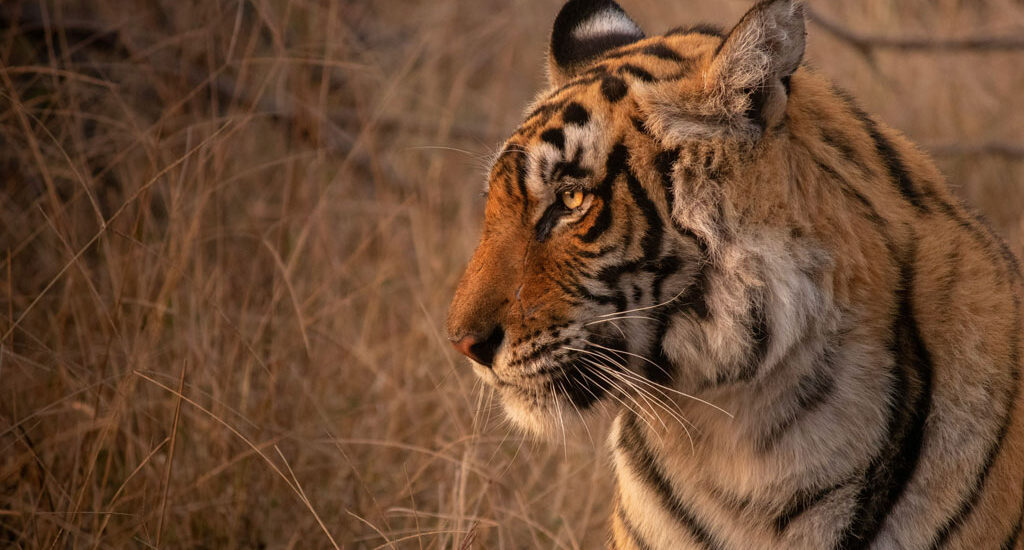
229, 232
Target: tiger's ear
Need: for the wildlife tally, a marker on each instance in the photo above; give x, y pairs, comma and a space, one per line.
583, 30
745, 88
751, 70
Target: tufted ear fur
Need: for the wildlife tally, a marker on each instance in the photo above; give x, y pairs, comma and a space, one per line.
583, 30
746, 86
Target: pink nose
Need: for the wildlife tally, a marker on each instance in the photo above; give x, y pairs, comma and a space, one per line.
465, 347
481, 351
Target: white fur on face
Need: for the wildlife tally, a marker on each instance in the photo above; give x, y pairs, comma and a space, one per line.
604, 23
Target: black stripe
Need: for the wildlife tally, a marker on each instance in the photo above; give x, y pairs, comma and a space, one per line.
575, 113
521, 184
587, 78
980, 230
569, 288
549, 219
661, 51
988, 240
664, 162
617, 299
544, 110
613, 88
812, 390
954, 523
568, 169
890, 158
710, 30
637, 72
582, 385
641, 127
760, 337
611, 274
852, 192
1011, 539
615, 165
631, 531
603, 251
891, 470
663, 269
843, 147
644, 464
554, 136
541, 115
505, 170
536, 351
658, 50
651, 243
601, 224
802, 502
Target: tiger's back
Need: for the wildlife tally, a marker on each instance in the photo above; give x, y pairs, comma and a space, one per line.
694, 223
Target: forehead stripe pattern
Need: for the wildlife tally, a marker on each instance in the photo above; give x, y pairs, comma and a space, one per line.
614, 166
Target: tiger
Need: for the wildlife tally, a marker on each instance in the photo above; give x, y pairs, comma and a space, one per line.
806, 339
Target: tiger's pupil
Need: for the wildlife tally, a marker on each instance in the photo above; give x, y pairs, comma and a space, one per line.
572, 199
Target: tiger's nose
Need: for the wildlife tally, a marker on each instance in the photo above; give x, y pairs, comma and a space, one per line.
481, 350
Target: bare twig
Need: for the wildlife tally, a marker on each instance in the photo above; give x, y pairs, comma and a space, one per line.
868, 42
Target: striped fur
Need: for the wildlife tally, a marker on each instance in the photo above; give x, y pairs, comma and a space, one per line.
750, 241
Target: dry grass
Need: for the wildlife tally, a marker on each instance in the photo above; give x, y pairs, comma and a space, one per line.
229, 232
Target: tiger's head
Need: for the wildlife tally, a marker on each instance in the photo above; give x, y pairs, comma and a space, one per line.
603, 210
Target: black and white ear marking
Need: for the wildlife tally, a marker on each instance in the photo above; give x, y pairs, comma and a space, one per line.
583, 30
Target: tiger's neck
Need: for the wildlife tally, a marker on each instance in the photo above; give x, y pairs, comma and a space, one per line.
753, 475
773, 368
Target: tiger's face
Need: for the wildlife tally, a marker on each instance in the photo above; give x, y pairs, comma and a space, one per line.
581, 266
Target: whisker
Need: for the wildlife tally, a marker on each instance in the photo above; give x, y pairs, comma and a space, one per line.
648, 397
655, 306
643, 417
580, 414
604, 371
614, 324
561, 421
619, 318
673, 390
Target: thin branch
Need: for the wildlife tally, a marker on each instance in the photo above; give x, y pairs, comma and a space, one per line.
867, 42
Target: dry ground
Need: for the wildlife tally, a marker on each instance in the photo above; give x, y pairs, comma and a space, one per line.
229, 232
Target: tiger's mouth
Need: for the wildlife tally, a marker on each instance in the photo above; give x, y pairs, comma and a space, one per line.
559, 379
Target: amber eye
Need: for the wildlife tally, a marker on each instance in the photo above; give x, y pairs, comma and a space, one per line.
572, 199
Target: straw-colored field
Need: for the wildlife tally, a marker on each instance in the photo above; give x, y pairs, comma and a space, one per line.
229, 232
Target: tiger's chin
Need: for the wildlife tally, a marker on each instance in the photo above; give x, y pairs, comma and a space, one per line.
551, 418
562, 407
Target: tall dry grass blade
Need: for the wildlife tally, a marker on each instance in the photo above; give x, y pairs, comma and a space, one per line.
103, 228
298, 492
170, 455
305, 499
121, 488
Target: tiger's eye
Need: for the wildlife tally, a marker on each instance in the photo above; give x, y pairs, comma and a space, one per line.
572, 199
